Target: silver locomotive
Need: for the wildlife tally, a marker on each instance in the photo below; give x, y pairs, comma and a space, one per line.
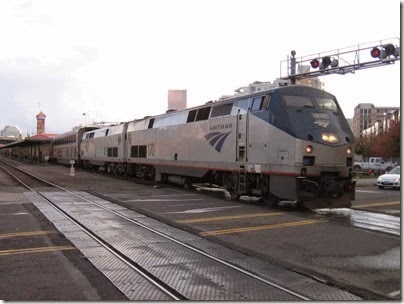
289, 143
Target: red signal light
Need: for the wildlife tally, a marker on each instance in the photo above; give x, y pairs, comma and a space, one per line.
314, 63
375, 52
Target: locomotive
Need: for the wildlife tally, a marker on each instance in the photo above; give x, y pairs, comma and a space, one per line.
290, 143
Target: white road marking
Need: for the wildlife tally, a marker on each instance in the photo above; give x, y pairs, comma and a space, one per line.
367, 191
203, 210
163, 200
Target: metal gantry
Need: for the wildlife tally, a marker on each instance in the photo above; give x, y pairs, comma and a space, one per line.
341, 61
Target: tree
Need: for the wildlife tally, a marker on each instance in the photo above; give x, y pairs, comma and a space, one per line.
387, 144
362, 146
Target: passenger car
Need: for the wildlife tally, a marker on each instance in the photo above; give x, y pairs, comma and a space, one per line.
390, 179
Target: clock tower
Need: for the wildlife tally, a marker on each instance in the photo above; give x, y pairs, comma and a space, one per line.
40, 123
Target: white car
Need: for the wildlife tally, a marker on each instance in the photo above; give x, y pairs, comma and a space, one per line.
390, 179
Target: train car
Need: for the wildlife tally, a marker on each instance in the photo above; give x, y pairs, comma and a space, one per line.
105, 147
289, 143
66, 146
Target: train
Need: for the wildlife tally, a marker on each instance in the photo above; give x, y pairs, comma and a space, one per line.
289, 143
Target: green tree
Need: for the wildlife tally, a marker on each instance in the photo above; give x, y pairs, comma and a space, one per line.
362, 146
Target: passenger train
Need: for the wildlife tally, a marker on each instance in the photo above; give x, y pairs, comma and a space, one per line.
290, 143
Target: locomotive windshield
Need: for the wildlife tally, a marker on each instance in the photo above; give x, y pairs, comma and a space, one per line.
309, 114
298, 101
326, 103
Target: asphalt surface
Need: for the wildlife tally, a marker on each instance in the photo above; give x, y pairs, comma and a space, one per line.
37, 262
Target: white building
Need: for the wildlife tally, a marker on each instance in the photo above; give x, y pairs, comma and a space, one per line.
11, 132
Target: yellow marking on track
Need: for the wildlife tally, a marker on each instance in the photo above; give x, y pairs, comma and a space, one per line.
27, 233
228, 217
264, 227
35, 250
377, 204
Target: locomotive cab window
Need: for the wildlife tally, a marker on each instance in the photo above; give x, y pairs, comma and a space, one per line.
260, 103
298, 101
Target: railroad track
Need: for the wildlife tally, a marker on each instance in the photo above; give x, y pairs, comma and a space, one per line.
151, 262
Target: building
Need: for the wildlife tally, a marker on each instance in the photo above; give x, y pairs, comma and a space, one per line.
386, 123
11, 132
366, 115
258, 86
40, 123
177, 100
310, 81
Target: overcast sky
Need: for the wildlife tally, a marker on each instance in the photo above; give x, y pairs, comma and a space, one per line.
116, 60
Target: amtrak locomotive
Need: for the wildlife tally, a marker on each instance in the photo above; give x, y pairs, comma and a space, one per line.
289, 143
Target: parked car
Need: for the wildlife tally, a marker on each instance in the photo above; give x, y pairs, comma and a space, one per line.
390, 179
373, 165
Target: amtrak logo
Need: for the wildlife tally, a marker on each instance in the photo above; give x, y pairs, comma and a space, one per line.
216, 139
322, 123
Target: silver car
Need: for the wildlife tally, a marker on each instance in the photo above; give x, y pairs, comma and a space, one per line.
390, 179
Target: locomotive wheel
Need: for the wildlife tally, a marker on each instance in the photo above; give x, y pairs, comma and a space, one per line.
357, 168
231, 187
270, 200
234, 195
300, 205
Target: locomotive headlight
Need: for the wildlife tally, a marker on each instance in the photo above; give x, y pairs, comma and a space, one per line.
309, 149
329, 137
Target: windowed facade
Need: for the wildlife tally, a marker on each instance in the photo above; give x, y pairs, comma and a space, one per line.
366, 116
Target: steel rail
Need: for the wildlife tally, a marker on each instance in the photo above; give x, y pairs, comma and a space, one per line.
207, 255
145, 274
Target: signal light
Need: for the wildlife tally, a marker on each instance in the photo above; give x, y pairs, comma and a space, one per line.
397, 52
325, 63
385, 51
314, 63
390, 49
375, 52
334, 63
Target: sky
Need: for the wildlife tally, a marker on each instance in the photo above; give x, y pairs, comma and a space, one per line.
115, 60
